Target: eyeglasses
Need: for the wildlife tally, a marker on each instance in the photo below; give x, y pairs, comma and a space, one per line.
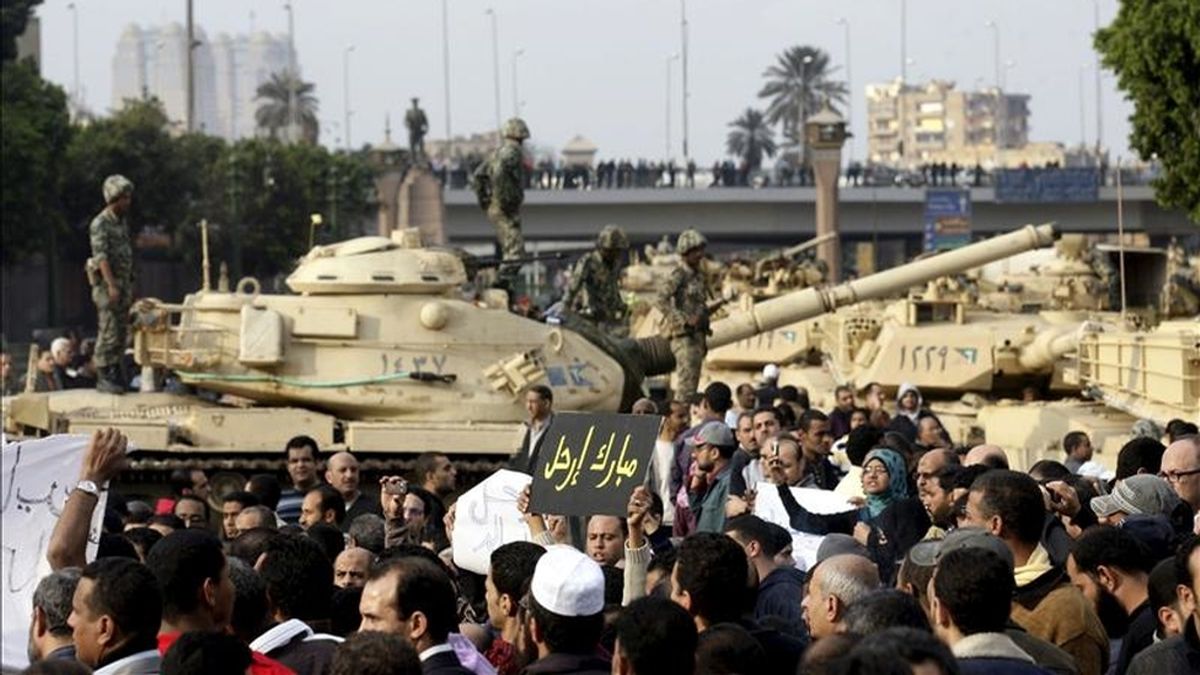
875, 471
1176, 476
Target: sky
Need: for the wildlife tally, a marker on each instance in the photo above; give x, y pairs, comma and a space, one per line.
599, 67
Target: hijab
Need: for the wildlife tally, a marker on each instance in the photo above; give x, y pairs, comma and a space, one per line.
897, 480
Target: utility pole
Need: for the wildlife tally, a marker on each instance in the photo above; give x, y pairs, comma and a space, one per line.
491, 11
346, 92
446, 72
1082, 111
75, 51
670, 59
292, 78
516, 97
900, 98
683, 29
845, 24
1099, 104
191, 70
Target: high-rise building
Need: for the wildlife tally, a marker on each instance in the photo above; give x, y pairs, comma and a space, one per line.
152, 61
912, 124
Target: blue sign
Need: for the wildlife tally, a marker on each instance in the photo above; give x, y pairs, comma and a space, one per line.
1047, 185
947, 218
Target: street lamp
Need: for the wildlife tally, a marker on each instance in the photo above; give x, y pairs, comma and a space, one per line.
996, 49
516, 97
75, 48
446, 70
845, 24
491, 11
291, 129
670, 59
346, 91
804, 108
683, 31
1099, 110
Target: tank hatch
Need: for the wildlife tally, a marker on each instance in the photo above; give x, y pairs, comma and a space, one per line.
399, 264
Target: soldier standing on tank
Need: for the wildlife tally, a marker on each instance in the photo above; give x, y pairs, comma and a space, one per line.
683, 301
110, 272
594, 292
499, 185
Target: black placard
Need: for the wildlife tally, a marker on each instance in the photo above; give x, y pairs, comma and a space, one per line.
589, 463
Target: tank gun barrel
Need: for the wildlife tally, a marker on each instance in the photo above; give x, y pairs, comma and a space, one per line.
815, 301
803, 246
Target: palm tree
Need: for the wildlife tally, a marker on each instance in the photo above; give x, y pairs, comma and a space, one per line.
273, 113
751, 138
796, 85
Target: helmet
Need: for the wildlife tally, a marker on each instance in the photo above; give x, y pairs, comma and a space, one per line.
612, 237
688, 240
115, 186
515, 129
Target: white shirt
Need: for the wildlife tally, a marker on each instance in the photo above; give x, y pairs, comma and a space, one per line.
660, 475
434, 651
148, 661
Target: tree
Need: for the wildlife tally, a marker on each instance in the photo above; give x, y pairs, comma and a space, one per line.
796, 89
751, 138
274, 112
1154, 48
14, 14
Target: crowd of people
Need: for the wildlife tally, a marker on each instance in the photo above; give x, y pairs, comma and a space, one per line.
620, 174
947, 561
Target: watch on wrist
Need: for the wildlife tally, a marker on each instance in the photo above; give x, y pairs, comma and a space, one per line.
89, 487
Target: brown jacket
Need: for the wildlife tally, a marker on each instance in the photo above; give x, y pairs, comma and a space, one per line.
1051, 608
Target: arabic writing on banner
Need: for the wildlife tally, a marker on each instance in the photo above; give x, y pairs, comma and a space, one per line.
589, 463
486, 518
35, 479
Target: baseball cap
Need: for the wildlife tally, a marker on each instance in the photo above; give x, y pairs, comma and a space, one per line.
1143, 494
927, 553
712, 433
568, 583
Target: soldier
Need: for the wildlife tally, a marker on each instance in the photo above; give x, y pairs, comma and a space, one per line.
683, 301
499, 185
417, 125
110, 271
594, 292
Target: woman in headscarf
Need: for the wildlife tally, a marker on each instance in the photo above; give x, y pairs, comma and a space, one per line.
891, 521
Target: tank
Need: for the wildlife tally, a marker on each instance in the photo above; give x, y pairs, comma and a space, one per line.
1021, 374
378, 349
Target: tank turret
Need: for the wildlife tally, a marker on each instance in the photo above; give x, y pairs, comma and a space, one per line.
813, 302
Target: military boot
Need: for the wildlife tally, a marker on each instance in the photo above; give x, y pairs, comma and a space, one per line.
108, 380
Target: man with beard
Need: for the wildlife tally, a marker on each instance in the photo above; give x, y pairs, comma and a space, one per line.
1112, 569
936, 493
712, 448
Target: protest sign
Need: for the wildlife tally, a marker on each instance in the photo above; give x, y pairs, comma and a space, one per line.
35, 479
769, 507
589, 463
486, 517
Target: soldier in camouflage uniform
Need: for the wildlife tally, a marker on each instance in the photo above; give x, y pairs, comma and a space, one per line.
683, 301
594, 291
499, 185
110, 271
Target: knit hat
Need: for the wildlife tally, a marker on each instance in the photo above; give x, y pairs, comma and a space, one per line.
1143, 494
568, 583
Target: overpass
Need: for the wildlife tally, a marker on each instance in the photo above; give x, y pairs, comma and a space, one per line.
736, 217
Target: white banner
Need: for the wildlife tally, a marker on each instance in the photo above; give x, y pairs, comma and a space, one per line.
769, 507
486, 517
35, 479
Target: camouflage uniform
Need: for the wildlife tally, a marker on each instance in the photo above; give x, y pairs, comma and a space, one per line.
109, 236
684, 297
594, 291
500, 187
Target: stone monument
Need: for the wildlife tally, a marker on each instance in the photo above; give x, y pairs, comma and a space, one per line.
826, 132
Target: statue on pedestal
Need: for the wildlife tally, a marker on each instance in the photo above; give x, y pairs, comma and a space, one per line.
417, 125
